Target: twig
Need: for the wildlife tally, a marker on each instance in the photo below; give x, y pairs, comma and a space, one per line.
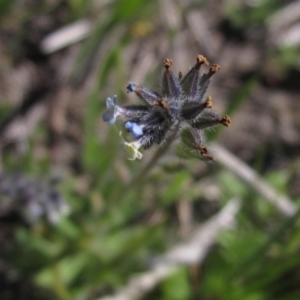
191, 252
290, 37
65, 36
235, 165
284, 27
284, 17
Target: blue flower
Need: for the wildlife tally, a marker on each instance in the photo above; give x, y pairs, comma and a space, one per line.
112, 111
135, 129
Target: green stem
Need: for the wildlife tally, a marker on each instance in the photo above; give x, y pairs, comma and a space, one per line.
58, 284
152, 162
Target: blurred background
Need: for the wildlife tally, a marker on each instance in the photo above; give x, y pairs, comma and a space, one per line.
79, 221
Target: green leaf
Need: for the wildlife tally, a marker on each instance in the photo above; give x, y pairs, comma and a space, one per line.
175, 188
177, 286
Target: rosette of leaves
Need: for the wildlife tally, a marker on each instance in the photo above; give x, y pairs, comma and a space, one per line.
181, 109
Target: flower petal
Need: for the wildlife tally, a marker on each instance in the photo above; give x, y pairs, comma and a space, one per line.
135, 129
108, 116
133, 150
112, 111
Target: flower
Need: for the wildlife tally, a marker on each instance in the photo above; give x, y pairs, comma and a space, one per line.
180, 109
134, 128
113, 110
132, 150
